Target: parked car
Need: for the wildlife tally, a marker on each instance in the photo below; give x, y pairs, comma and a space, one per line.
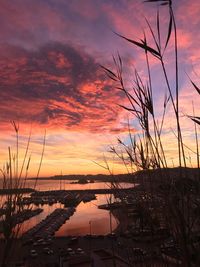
33, 253
47, 251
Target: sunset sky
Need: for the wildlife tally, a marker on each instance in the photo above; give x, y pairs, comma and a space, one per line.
50, 77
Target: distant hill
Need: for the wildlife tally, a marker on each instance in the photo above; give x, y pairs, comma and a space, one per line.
155, 176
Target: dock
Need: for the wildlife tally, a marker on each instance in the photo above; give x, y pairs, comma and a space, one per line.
50, 224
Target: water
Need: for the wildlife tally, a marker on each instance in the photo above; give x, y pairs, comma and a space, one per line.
79, 223
86, 213
69, 185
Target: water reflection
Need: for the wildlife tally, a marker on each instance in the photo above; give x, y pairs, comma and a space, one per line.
68, 185
78, 224
85, 213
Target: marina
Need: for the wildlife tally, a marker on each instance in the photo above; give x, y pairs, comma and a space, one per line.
85, 198
49, 225
68, 197
87, 214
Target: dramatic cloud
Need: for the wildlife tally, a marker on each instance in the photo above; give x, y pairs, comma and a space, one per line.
57, 85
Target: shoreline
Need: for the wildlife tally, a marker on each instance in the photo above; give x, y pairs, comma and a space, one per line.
7, 191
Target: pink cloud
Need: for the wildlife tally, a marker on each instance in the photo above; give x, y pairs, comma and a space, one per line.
61, 88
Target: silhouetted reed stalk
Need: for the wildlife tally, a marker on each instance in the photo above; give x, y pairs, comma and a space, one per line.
146, 151
11, 203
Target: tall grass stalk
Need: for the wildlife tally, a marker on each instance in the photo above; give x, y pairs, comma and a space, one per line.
14, 181
147, 151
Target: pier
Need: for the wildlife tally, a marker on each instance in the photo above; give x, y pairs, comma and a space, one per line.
50, 224
86, 191
70, 198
